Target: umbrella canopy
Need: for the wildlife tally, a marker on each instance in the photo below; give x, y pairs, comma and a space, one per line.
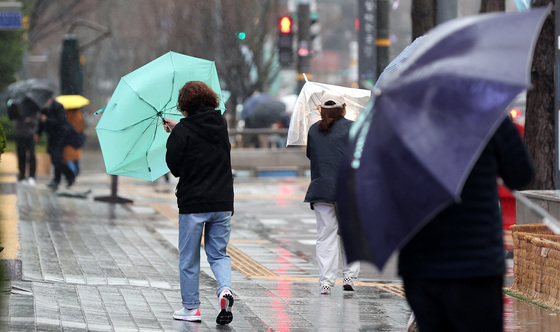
37, 90
130, 130
431, 118
266, 113
72, 101
306, 110
251, 102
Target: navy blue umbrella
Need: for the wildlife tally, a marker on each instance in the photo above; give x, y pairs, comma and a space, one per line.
432, 116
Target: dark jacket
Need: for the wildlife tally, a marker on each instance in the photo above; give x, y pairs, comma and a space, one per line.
198, 152
56, 126
27, 124
325, 151
465, 240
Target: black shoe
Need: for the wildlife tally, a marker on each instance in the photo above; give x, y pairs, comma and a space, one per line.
53, 185
70, 182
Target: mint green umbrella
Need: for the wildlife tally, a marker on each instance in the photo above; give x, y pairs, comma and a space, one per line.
130, 130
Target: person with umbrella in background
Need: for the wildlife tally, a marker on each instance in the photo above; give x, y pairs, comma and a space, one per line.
198, 152
26, 132
54, 123
326, 142
24, 105
72, 153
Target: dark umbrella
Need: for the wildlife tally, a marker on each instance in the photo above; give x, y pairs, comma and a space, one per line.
37, 90
251, 102
266, 113
431, 118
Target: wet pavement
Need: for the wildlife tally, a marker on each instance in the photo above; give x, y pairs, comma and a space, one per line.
95, 266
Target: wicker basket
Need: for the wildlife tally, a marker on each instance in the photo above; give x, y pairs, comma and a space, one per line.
536, 264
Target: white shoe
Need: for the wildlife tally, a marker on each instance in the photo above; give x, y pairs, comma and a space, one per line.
192, 315
325, 289
31, 181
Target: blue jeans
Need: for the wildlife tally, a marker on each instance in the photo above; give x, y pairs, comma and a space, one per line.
217, 229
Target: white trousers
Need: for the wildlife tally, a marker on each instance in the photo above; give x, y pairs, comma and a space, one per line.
329, 247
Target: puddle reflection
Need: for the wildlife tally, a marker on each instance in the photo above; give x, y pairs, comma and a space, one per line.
279, 307
526, 317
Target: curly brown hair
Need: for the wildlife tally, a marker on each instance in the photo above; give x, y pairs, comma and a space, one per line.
195, 95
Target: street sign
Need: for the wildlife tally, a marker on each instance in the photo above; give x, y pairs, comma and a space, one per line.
10, 15
10, 20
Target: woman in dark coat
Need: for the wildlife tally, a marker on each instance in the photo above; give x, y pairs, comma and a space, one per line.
453, 268
326, 142
198, 152
55, 124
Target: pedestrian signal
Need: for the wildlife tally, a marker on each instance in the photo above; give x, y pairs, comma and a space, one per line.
285, 41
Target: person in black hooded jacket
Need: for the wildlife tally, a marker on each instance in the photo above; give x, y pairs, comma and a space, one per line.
198, 152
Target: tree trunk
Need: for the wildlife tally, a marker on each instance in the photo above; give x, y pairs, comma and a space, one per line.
539, 119
423, 15
492, 6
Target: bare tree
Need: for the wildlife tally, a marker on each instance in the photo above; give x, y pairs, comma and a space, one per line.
51, 17
539, 123
141, 30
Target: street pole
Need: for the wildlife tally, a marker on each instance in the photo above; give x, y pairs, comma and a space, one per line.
446, 10
382, 42
367, 36
303, 44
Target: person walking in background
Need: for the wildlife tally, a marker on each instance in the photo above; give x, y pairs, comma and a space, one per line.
54, 123
326, 142
3, 141
198, 152
453, 268
72, 153
26, 133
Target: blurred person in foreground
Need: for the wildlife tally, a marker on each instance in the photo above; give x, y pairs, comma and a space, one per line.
26, 132
453, 268
326, 142
198, 152
54, 123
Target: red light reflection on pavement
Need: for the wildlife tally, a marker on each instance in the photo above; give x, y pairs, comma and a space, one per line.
279, 308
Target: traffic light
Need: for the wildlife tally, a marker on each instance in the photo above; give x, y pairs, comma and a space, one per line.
241, 35
285, 41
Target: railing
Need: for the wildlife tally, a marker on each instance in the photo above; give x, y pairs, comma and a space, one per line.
258, 150
258, 138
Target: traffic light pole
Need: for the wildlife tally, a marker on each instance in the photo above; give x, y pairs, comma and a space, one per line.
303, 44
382, 42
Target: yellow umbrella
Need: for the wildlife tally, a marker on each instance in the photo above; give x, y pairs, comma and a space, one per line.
72, 101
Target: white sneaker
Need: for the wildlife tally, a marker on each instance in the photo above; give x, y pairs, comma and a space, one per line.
192, 315
31, 181
325, 289
225, 301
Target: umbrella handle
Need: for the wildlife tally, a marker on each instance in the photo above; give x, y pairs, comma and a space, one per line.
168, 125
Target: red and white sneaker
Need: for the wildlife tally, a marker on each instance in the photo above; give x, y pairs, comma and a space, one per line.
225, 301
192, 315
